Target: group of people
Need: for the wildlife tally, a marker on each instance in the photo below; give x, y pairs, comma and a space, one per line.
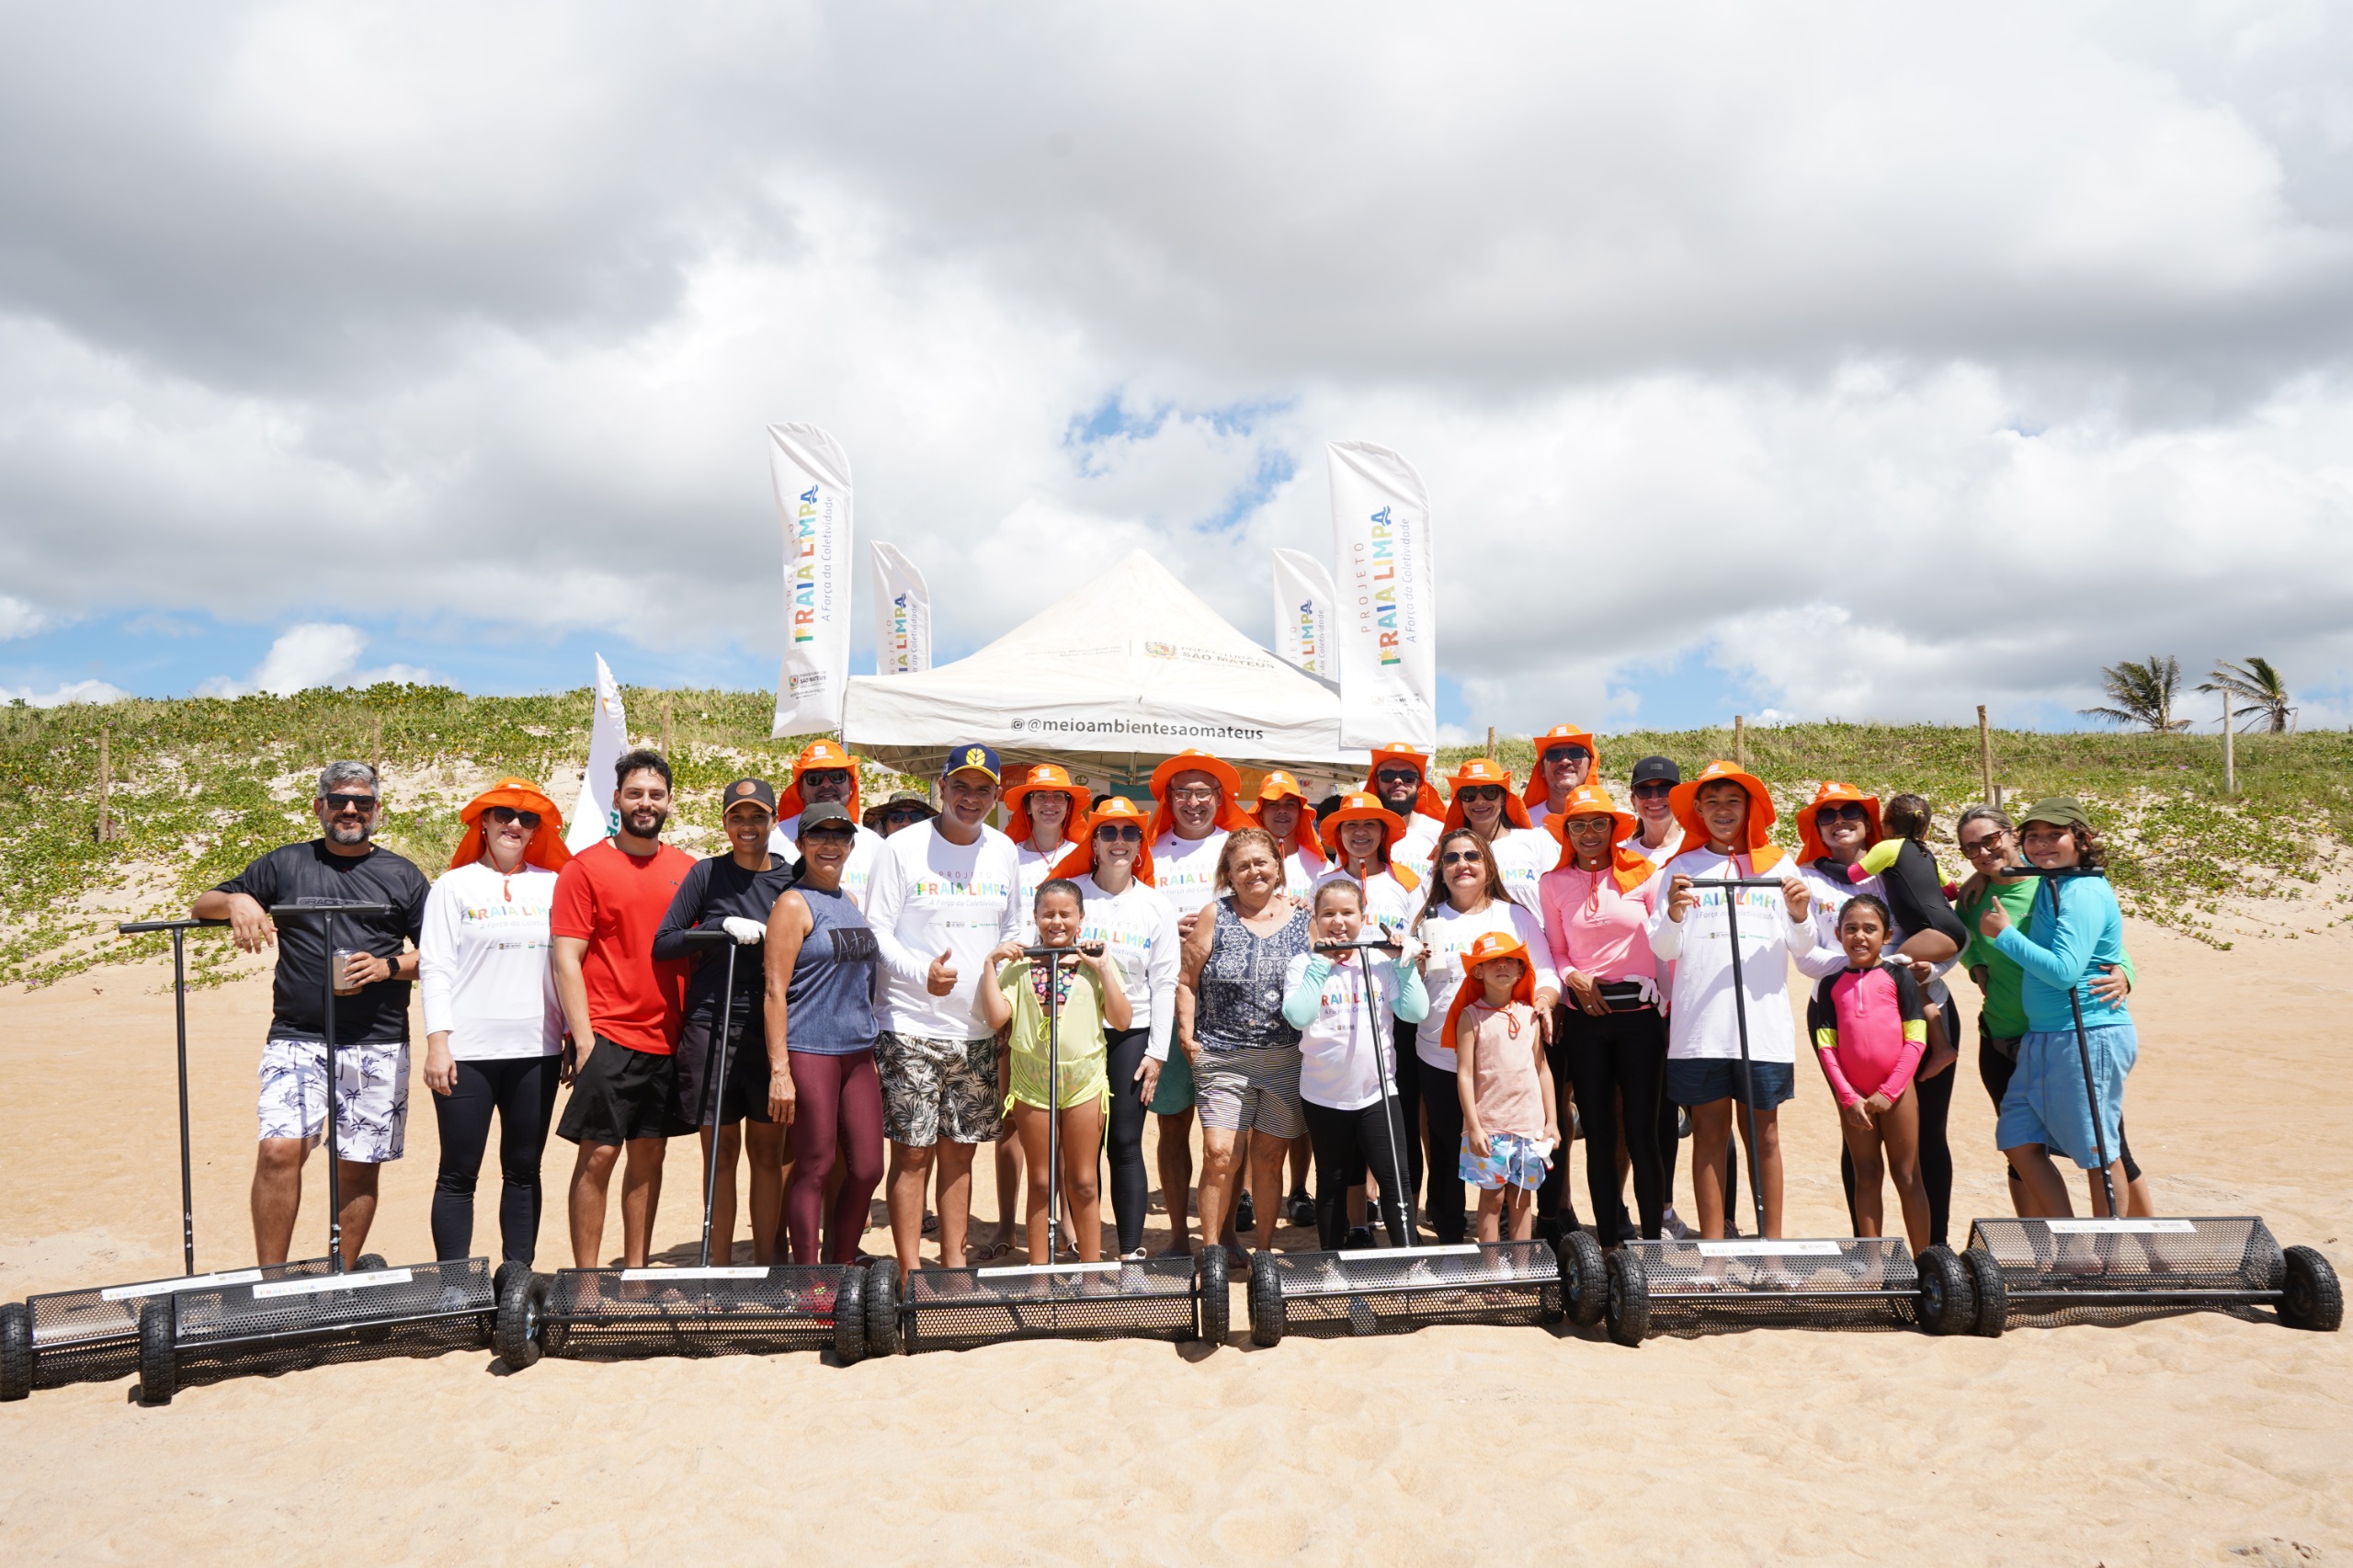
1419, 995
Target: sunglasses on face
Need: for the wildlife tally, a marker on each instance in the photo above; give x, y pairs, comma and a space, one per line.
1461, 858
837, 835
363, 804
1587, 827
1122, 832
1643, 791
1195, 794
1480, 792
1566, 754
1851, 811
502, 815
825, 776
1398, 776
904, 815
1989, 845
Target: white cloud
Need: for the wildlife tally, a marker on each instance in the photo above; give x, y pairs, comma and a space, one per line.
1775, 346
314, 653
72, 691
18, 619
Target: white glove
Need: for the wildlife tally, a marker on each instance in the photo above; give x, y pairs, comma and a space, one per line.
746, 932
1646, 989
1410, 950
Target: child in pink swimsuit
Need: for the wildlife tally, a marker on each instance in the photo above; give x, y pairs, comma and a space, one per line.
1869, 1027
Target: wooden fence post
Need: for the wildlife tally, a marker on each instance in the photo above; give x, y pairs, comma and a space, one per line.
1491, 740
106, 785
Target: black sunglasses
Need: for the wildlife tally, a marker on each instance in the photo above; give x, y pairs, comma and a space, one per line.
1655, 786
1461, 858
1125, 832
363, 804
1398, 776
1566, 754
830, 830
1480, 792
1851, 811
502, 815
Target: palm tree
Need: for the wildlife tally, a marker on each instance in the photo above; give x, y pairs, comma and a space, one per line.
2143, 694
2263, 689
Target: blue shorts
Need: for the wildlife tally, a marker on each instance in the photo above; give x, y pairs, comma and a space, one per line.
1702, 1080
2044, 1103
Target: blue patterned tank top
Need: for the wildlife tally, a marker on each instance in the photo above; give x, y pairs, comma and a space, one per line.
1239, 1002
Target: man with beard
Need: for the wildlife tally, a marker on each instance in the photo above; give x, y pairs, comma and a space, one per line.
623, 1008
372, 1005
1400, 777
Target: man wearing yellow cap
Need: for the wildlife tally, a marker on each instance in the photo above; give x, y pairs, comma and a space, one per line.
825, 772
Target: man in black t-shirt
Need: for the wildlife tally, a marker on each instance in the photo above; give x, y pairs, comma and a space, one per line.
370, 1008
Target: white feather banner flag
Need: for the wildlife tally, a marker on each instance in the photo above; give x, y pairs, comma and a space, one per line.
812, 497
902, 614
1387, 636
1304, 603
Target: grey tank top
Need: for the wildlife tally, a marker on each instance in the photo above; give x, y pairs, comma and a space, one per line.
829, 1001
1240, 998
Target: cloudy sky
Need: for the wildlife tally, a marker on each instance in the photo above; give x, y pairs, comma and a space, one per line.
1872, 360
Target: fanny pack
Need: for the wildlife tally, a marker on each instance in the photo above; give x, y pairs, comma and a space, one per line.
1624, 996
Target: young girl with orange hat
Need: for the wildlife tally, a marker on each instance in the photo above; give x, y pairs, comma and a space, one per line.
1041, 812
1137, 927
1467, 902
1612, 1042
1727, 818
1482, 801
493, 1026
1510, 1124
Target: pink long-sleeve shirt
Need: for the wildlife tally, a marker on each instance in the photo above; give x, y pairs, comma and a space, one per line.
1595, 927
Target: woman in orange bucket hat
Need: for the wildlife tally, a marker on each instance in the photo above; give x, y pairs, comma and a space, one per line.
1282, 809
1042, 815
1727, 817
1480, 799
493, 1026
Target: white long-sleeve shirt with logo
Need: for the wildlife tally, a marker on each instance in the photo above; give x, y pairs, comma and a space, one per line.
482, 964
927, 896
1704, 1022
1138, 925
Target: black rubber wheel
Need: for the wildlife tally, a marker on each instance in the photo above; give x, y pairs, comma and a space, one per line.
502, 1273
159, 1361
16, 1355
882, 1307
1585, 1277
515, 1334
1213, 1312
1993, 1293
849, 1317
1627, 1306
1267, 1317
2311, 1297
369, 1262
1947, 1293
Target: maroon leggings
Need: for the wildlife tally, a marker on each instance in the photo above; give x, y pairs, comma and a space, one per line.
840, 1110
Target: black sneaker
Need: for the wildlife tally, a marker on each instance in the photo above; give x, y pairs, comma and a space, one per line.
1360, 1238
1300, 1208
1245, 1217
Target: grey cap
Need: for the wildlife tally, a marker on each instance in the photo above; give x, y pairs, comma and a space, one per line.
819, 812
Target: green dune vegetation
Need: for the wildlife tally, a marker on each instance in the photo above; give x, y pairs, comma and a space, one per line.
195, 788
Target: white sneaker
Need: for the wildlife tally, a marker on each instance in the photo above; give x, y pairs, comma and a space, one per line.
1671, 1225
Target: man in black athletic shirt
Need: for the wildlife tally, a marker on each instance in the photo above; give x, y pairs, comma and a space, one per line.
370, 1009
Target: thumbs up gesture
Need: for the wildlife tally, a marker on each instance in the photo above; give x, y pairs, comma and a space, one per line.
942, 978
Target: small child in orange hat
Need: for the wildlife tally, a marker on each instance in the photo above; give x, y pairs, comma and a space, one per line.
1510, 1124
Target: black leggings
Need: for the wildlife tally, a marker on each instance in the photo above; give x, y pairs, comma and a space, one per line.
1617, 1054
1346, 1142
1442, 1109
522, 1091
1409, 1110
1130, 1188
1935, 1099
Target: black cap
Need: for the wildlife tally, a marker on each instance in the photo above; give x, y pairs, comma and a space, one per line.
748, 790
818, 813
1652, 769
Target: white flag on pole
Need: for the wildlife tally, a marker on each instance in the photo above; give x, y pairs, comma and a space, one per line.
902, 614
592, 816
1305, 601
1387, 635
812, 474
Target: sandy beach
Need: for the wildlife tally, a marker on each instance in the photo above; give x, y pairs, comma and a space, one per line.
2197, 1438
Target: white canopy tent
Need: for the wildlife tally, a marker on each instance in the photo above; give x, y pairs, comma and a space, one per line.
1122, 674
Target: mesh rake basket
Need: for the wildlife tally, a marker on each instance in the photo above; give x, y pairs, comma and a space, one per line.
1398, 1290
1689, 1288
92, 1335
1161, 1298
271, 1325
623, 1314
2058, 1271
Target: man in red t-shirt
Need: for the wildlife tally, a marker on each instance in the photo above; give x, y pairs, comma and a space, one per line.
623, 1010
